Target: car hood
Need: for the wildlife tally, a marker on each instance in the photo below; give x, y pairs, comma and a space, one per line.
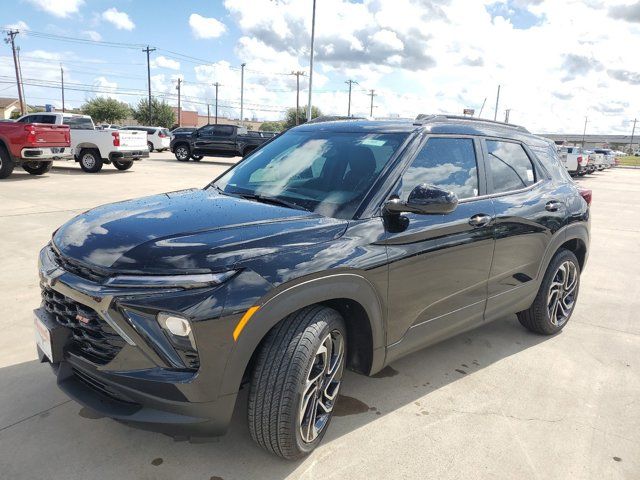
190, 230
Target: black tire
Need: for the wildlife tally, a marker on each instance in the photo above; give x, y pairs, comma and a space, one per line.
182, 152
543, 317
6, 163
122, 165
286, 360
90, 160
197, 158
37, 168
150, 145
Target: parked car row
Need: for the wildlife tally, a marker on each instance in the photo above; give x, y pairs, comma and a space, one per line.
579, 161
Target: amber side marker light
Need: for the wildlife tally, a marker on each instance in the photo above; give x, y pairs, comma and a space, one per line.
243, 322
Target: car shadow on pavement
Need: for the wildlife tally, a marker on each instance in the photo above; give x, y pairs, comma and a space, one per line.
107, 170
36, 417
228, 162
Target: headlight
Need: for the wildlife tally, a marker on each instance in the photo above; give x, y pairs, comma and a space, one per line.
169, 281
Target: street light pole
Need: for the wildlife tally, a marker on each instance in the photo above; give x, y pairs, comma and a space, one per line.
216, 111
62, 83
495, 114
350, 82
633, 134
242, 93
313, 34
584, 132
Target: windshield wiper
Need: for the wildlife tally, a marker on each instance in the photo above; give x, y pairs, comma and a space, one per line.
271, 200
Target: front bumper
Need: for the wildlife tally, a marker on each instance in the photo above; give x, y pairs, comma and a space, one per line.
141, 382
128, 156
46, 153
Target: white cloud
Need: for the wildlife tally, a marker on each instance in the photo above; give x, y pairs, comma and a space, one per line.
203, 27
388, 40
20, 25
164, 62
118, 19
92, 35
58, 8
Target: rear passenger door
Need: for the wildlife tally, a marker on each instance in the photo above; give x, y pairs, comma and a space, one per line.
529, 209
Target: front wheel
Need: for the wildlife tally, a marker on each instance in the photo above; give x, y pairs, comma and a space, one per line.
182, 153
296, 380
556, 298
150, 146
6, 163
37, 168
90, 161
121, 165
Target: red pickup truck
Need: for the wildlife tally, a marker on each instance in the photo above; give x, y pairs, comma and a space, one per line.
33, 146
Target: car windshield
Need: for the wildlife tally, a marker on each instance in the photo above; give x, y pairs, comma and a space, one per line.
324, 172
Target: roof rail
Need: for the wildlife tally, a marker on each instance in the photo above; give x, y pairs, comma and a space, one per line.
422, 118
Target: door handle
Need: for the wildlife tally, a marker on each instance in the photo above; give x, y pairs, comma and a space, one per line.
479, 220
553, 206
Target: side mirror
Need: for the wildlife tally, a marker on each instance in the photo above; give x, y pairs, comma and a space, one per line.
424, 199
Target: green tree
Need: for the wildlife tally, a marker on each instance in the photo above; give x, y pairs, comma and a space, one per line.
272, 126
290, 117
106, 110
162, 114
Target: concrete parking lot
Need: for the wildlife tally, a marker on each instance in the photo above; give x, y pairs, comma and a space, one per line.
498, 402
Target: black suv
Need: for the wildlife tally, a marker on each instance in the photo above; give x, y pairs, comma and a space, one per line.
336, 245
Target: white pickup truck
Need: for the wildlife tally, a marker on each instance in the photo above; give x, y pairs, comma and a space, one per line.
93, 148
574, 159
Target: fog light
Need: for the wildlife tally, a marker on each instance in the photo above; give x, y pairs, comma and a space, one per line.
176, 325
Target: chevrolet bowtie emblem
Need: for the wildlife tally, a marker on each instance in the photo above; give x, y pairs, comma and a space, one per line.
82, 319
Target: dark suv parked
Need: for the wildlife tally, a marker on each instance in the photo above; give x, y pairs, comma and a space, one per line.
336, 245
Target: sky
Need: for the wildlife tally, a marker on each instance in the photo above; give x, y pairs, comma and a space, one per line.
557, 61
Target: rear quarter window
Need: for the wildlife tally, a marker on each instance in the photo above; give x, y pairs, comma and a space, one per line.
552, 163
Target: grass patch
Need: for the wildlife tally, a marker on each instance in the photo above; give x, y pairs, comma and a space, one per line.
630, 161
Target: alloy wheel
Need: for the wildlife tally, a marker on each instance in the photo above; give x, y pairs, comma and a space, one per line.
562, 293
182, 153
321, 387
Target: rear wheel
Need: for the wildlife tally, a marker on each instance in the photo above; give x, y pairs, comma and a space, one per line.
90, 160
296, 380
121, 165
182, 153
6, 163
37, 168
150, 145
556, 298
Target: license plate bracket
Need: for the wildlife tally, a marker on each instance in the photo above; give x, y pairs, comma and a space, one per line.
51, 337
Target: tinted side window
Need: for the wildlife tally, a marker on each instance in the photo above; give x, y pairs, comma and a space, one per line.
449, 163
78, 123
27, 119
510, 167
223, 130
206, 131
49, 119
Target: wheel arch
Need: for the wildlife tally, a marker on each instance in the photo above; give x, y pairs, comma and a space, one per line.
350, 294
87, 146
573, 237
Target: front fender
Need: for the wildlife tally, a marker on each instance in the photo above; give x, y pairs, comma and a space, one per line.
288, 298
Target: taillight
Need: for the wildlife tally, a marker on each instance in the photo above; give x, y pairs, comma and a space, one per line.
116, 138
31, 133
162, 135
586, 194
579, 160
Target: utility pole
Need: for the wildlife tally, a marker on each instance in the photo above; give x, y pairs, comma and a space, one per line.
148, 51
495, 113
208, 114
506, 115
216, 85
179, 105
62, 83
350, 82
24, 97
242, 93
633, 134
11, 35
297, 74
313, 34
372, 94
584, 132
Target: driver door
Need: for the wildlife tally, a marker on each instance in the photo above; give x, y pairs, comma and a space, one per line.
439, 264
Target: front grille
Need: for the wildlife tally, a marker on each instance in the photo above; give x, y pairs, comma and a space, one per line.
95, 340
78, 269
